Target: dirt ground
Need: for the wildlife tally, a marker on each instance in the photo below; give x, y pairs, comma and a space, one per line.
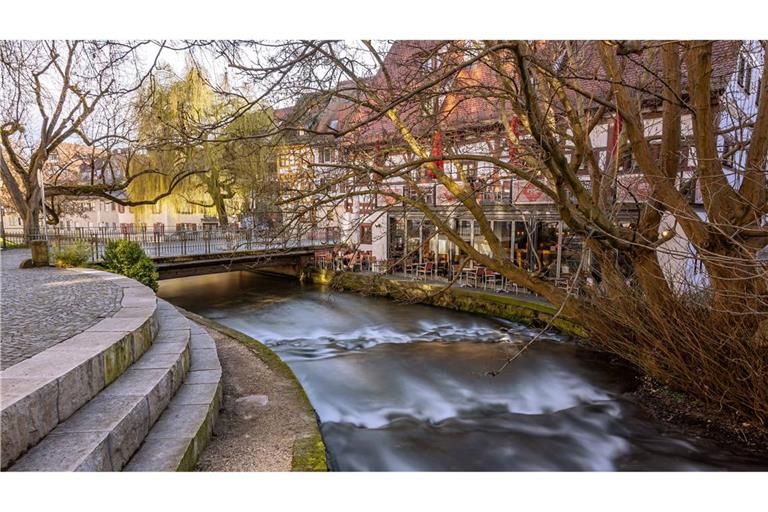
264, 413
685, 414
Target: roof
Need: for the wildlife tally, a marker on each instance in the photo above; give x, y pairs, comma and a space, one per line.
473, 99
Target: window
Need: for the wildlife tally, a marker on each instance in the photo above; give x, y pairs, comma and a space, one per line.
366, 234
348, 204
742, 68
185, 208
748, 80
284, 160
469, 170
326, 155
366, 204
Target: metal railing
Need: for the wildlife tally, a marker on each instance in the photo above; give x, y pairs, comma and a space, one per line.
170, 242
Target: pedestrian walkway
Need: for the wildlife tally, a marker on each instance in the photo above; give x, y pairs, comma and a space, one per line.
41, 307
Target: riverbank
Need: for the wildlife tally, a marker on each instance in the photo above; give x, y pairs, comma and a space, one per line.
685, 414
266, 422
679, 412
536, 313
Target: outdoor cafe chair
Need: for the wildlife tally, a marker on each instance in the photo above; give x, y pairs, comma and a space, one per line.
425, 269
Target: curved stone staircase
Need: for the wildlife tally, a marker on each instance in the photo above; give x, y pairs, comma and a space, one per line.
139, 391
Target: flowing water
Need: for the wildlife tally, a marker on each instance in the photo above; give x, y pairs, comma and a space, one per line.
406, 387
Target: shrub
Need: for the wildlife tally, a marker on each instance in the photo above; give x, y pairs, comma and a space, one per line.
128, 258
144, 272
74, 254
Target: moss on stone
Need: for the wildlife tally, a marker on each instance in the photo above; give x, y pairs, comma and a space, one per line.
117, 359
309, 454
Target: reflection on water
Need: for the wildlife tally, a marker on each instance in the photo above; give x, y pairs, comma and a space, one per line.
405, 387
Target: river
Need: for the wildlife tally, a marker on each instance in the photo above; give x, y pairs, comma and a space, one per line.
406, 387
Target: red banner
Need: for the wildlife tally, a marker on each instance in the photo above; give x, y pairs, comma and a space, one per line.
437, 150
510, 141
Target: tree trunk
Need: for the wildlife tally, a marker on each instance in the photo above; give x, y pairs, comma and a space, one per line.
221, 210
31, 222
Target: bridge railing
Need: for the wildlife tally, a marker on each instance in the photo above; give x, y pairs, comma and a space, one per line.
158, 243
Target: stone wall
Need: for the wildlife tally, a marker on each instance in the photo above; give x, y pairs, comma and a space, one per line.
461, 299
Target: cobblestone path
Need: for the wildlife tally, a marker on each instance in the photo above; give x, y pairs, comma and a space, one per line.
41, 307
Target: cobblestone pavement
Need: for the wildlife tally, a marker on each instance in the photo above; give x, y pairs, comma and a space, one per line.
41, 307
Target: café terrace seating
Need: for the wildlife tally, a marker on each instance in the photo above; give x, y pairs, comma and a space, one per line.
472, 274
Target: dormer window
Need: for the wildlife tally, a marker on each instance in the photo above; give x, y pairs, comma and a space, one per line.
435, 60
561, 60
744, 73
741, 70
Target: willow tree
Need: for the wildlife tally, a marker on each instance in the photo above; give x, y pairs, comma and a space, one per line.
185, 124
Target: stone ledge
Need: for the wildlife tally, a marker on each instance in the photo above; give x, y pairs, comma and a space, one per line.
105, 433
182, 432
46, 389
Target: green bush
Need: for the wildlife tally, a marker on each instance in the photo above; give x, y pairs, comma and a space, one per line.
74, 254
128, 258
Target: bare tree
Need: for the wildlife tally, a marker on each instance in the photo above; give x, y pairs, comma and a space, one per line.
59, 92
440, 127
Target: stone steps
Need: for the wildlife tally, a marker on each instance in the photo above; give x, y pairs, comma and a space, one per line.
176, 441
105, 432
45, 390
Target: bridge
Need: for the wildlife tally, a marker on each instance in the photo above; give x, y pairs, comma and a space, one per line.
180, 253
282, 261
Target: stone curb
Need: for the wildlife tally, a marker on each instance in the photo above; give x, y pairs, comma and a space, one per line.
43, 391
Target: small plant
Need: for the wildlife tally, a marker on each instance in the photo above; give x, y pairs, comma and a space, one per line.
128, 258
74, 254
9, 244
